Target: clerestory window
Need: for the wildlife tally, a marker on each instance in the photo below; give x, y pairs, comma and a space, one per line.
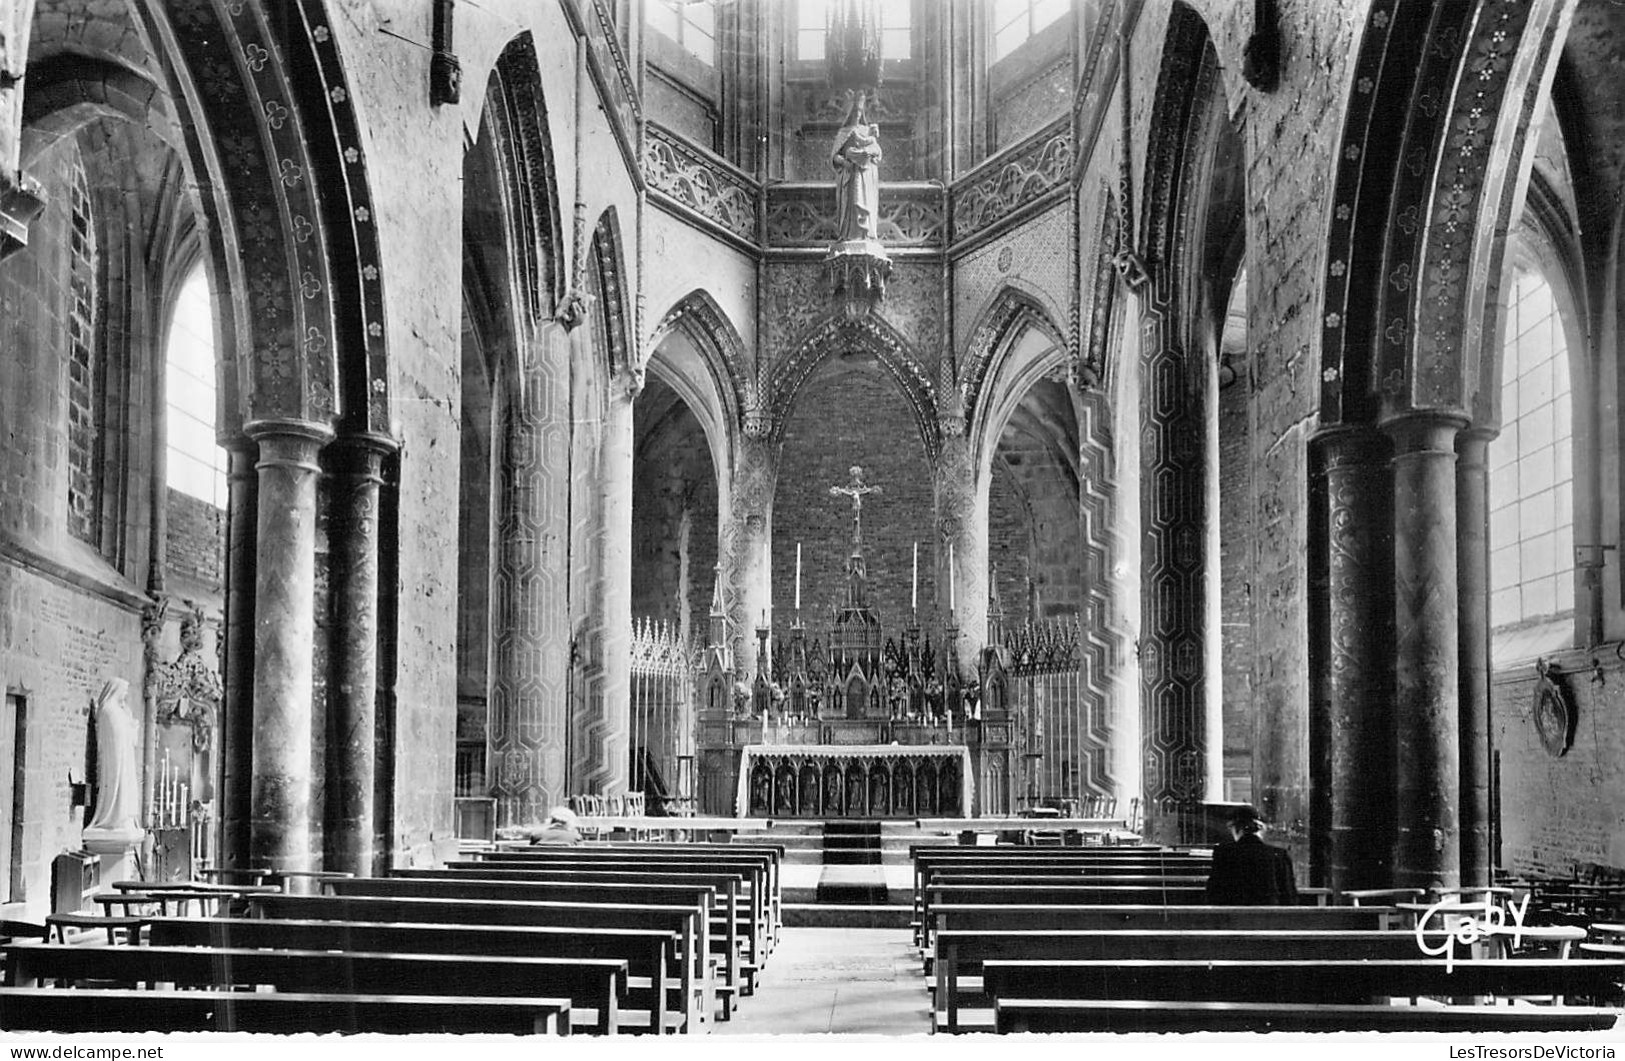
1017, 21
691, 23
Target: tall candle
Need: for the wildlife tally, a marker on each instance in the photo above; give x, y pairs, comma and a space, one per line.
950, 578
798, 576
914, 590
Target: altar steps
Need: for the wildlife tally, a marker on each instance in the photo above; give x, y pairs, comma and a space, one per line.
855, 843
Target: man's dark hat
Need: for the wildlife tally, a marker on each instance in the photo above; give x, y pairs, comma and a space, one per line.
1245, 814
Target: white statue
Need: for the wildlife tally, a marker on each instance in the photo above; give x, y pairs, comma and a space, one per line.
856, 160
118, 781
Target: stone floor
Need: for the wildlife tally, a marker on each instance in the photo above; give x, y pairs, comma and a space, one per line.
863, 981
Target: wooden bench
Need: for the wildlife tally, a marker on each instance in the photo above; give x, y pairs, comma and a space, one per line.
595, 987
690, 923
741, 900
962, 953
728, 935
1111, 1015
656, 856
647, 953
1327, 981
1038, 918
762, 889
119, 1010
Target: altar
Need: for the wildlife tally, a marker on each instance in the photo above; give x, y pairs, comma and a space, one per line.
854, 781
848, 722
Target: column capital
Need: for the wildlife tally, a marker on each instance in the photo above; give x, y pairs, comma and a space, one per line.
262, 431
1352, 445
1425, 432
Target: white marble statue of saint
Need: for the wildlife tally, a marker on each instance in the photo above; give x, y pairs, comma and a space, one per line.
856, 161
118, 780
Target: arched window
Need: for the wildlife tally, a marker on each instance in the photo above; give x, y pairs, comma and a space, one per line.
896, 28
1532, 480
86, 376
691, 23
197, 466
1015, 21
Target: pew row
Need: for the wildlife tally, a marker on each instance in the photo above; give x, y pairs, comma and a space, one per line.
647, 953
121, 1010
595, 987
1115, 1015
728, 934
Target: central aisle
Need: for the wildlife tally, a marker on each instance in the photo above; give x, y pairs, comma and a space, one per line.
841, 980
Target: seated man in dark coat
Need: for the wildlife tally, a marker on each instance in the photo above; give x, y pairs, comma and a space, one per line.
1249, 872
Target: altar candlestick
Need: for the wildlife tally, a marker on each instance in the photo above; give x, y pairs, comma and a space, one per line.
798, 576
914, 589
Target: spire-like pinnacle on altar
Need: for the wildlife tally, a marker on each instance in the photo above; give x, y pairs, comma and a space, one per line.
856, 489
995, 609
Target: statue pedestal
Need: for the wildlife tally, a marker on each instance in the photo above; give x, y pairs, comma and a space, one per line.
117, 849
857, 270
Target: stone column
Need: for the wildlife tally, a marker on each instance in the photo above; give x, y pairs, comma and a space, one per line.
754, 479
1473, 584
284, 633
527, 721
962, 512
355, 476
607, 729
1427, 842
237, 652
1175, 403
1352, 724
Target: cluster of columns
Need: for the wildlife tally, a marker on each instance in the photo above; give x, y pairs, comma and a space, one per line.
269, 791
1402, 703
536, 658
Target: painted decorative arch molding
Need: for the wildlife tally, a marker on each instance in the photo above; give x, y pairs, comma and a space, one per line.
287, 208
1417, 236
1008, 313
516, 109
708, 327
613, 297
870, 335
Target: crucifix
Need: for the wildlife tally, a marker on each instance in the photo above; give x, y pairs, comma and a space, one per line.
855, 489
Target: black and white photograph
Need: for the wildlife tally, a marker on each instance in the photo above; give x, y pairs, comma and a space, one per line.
902, 525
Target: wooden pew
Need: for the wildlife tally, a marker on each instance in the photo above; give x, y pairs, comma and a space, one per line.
119, 1010
595, 987
1331, 981
648, 953
1113, 1015
749, 907
691, 923
656, 855
961, 953
929, 860
1042, 917
765, 899
661, 890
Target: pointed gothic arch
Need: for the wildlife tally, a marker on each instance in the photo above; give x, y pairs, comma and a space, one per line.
870, 335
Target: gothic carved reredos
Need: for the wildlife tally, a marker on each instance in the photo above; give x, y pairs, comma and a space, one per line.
286, 204
1417, 226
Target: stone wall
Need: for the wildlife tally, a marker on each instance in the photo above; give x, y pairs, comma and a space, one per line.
1559, 812
196, 547
1235, 587
851, 412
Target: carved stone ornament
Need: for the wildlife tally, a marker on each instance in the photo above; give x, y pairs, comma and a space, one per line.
1554, 711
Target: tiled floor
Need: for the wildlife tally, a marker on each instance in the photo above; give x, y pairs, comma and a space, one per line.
864, 981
